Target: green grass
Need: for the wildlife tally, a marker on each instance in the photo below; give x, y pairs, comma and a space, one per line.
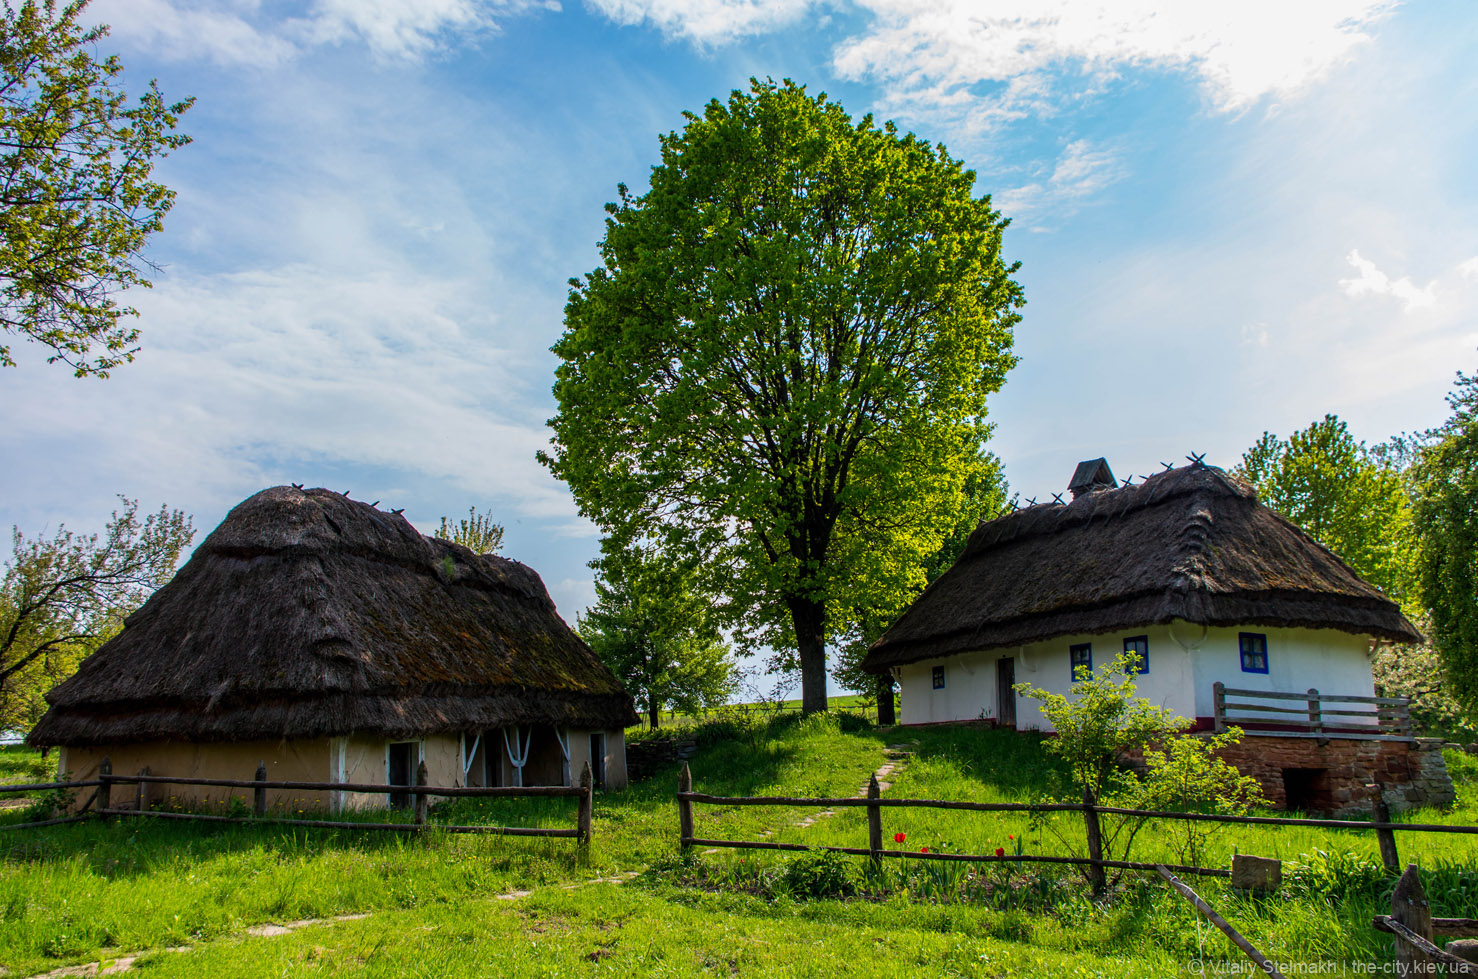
94, 891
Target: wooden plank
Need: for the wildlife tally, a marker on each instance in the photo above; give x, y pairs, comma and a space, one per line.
950, 857
46, 822
48, 786
1211, 817
1326, 698
1252, 953
1455, 927
1413, 948
1330, 735
375, 788
1378, 714
336, 824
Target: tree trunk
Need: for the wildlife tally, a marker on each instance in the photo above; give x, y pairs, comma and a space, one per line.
654, 711
886, 715
809, 618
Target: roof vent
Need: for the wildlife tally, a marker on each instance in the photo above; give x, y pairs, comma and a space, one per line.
1092, 475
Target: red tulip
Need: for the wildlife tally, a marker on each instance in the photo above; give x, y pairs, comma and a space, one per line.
923, 849
899, 837
1000, 852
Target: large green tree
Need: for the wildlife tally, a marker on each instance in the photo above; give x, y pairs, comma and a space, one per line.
61, 597
658, 633
76, 201
1445, 486
1351, 499
780, 370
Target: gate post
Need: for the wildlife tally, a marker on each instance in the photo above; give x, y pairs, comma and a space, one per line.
587, 800
259, 794
684, 809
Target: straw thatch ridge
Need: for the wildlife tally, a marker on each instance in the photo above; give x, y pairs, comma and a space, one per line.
306, 614
1191, 543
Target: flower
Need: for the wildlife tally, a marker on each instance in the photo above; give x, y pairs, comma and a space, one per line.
899, 837
1000, 852
923, 849
1010, 837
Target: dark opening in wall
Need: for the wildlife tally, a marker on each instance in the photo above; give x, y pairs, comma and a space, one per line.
1307, 790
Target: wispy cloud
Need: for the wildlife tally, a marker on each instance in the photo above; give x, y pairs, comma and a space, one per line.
1469, 269
705, 22
1371, 281
1079, 173
234, 32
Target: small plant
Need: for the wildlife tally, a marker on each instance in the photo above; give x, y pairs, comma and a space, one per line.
819, 875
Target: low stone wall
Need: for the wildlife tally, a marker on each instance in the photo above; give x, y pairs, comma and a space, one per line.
1331, 775
648, 756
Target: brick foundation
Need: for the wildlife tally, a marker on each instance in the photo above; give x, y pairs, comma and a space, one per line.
1331, 776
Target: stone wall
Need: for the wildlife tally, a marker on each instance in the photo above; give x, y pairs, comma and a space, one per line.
1331, 775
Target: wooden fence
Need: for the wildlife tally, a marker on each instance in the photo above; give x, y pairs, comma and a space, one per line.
101, 803
1380, 824
1314, 719
1411, 922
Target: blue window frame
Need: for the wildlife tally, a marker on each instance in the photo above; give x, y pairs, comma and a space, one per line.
1080, 654
1139, 646
938, 678
1254, 647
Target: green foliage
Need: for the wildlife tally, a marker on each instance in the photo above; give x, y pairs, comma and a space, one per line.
780, 370
1102, 726
1416, 672
77, 200
819, 875
658, 633
1184, 774
1445, 487
62, 598
477, 532
1351, 499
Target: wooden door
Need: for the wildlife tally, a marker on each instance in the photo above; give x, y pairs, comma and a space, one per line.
1005, 694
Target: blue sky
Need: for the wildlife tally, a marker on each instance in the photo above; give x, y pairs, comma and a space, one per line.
1230, 218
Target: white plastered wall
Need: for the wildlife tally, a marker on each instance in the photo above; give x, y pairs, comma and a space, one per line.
1184, 662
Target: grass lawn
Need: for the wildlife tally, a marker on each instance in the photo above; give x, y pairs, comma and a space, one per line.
439, 904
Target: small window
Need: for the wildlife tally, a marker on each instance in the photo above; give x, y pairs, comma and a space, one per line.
1254, 647
1081, 657
1140, 647
938, 678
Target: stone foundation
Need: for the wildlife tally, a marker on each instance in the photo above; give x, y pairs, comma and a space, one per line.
1331, 776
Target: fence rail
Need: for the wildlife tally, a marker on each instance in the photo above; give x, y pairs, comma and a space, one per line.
1381, 824
1392, 715
420, 792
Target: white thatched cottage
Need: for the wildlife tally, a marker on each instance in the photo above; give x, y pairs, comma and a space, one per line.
1191, 572
335, 642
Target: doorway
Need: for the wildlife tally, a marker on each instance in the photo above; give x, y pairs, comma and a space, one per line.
400, 767
1006, 692
1307, 790
598, 758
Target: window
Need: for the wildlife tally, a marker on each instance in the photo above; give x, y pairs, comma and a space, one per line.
1254, 647
938, 678
1139, 646
1080, 655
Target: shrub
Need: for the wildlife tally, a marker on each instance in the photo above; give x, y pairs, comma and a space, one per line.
819, 875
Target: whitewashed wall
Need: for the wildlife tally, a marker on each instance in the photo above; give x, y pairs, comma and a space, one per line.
1179, 678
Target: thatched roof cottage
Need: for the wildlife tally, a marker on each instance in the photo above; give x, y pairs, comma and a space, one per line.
334, 641
1186, 568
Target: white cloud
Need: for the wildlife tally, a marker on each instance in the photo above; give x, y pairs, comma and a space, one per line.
1469, 269
228, 32
1080, 172
940, 53
572, 596
1373, 282
705, 22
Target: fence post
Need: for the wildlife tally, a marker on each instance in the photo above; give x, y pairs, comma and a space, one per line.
142, 802
874, 821
423, 801
259, 795
1409, 907
1316, 723
1096, 876
105, 791
1219, 706
587, 799
1381, 813
684, 809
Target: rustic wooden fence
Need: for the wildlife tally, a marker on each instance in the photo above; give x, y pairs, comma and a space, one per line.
1314, 718
1414, 928
1380, 824
101, 803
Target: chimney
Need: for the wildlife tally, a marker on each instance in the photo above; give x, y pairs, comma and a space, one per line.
1091, 476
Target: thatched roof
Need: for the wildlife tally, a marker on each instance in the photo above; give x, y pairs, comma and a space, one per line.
306, 614
1190, 543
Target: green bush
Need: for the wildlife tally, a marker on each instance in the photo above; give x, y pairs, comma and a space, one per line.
819, 875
